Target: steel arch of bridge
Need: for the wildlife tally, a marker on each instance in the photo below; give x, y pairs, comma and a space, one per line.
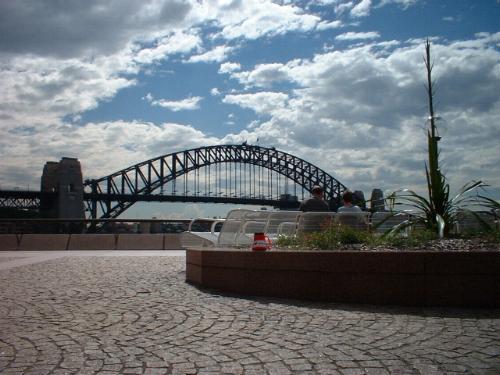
113, 192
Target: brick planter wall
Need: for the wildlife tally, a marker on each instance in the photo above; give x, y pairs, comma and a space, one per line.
465, 279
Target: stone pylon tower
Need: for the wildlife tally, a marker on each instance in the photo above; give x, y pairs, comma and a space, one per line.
378, 201
65, 179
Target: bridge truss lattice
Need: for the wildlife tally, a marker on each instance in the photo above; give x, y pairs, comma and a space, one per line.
223, 173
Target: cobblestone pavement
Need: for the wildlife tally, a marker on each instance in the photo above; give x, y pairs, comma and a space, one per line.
136, 315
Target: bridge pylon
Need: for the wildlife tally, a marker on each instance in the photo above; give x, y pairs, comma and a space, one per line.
64, 178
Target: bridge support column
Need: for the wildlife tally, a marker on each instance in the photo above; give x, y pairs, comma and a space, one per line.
65, 178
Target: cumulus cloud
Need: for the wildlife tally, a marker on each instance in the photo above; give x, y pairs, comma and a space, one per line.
218, 54
261, 102
367, 105
254, 19
343, 7
76, 29
45, 89
229, 67
62, 60
323, 25
187, 104
362, 9
177, 42
59, 60
403, 3
264, 75
130, 142
358, 35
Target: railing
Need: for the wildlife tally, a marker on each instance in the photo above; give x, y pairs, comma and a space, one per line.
73, 226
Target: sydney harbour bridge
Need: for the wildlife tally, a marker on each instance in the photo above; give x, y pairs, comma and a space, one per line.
239, 174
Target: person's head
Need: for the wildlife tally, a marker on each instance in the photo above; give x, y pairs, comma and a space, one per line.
317, 191
347, 196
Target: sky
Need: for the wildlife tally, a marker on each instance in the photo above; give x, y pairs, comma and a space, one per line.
339, 83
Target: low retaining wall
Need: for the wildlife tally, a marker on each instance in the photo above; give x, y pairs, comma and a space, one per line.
92, 242
44, 242
172, 241
168, 241
140, 242
9, 241
461, 279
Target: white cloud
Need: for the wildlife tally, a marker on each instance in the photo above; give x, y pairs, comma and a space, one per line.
324, 25
176, 43
403, 3
264, 75
187, 104
361, 112
343, 7
41, 89
359, 35
362, 9
218, 54
214, 91
253, 19
129, 142
229, 67
77, 29
64, 60
261, 102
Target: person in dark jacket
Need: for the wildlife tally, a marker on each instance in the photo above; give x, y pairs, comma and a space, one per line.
316, 202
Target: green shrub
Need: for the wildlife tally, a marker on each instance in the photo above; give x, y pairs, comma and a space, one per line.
494, 236
416, 238
338, 237
343, 236
286, 242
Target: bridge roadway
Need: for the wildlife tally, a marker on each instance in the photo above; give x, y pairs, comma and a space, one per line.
131, 312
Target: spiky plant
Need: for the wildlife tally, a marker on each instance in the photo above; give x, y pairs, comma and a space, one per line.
437, 212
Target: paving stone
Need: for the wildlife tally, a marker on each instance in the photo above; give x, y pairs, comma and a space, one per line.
132, 370
155, 371
137, 315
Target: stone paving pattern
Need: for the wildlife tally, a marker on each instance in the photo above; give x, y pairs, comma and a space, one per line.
9, 259
136, 315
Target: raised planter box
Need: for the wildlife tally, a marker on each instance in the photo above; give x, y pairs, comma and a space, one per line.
413, 278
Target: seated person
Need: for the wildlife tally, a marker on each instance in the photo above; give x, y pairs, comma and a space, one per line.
348, 206
316, 203
319, 219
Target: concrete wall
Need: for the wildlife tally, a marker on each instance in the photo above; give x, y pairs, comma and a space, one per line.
169, 241
8, 241
172, 241
44, 242
92, 242
140, 242
399, 278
